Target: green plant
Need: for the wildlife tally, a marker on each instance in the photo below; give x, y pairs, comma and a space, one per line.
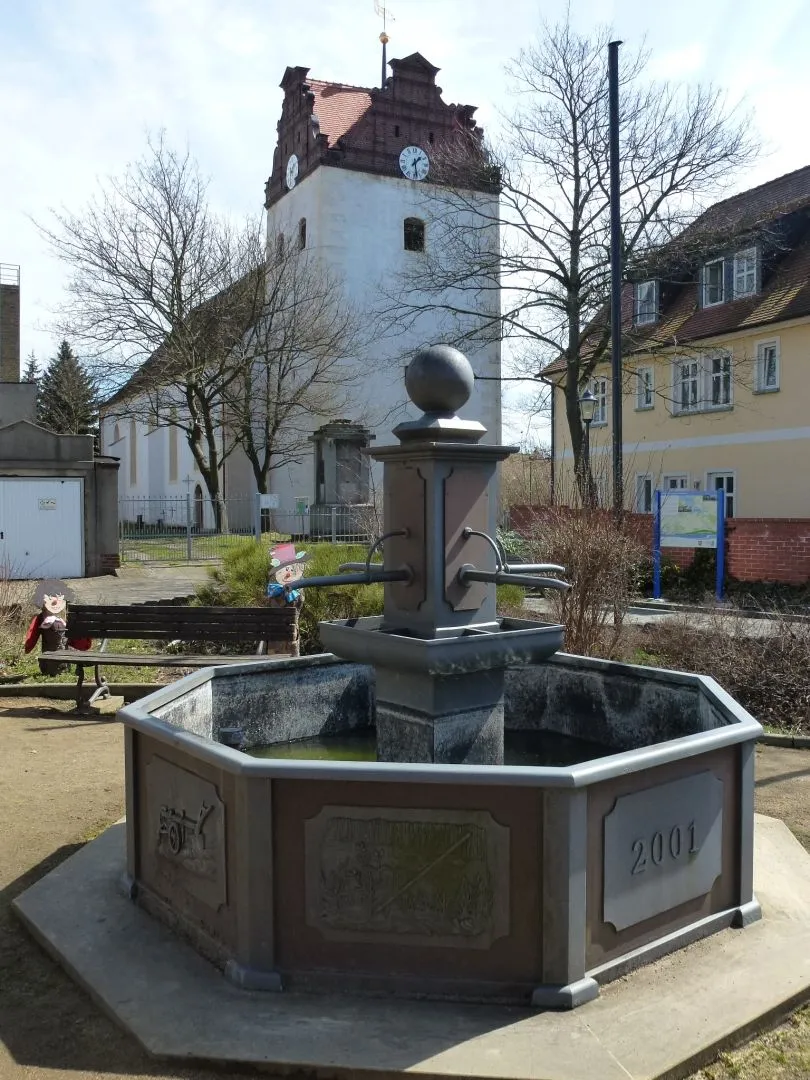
339, 601
242, 579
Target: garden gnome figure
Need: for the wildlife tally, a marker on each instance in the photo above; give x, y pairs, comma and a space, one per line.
49, 626
286, 567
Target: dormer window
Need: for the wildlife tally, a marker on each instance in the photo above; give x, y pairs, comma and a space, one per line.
713, 283
745, 272
645, 303
302, 234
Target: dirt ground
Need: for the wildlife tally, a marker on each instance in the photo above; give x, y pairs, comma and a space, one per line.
61, 782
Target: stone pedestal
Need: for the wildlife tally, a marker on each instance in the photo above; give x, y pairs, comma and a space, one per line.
449, 719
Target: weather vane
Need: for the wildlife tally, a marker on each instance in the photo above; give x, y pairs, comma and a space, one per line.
381, 9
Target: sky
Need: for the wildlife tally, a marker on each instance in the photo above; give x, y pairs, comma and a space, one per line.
83, 82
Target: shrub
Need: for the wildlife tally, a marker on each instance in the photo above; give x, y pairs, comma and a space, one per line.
242, 579
602, 564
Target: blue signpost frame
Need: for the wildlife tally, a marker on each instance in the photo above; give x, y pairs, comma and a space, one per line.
720, 548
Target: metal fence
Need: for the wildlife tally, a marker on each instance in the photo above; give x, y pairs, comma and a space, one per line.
188, 529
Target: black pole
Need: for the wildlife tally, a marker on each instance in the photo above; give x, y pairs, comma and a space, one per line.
615, 278
586, 457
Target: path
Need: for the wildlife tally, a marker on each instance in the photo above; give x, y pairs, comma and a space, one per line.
61, 782
136, 585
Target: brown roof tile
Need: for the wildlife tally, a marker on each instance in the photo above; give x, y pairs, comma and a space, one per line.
338, 107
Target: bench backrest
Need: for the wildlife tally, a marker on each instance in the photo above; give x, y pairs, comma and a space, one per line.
165, 622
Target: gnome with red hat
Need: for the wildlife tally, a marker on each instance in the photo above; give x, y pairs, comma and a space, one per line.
286, 567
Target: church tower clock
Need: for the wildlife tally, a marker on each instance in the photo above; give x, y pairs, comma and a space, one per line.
356, 184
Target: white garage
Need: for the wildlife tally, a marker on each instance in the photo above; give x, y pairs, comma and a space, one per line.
41, 533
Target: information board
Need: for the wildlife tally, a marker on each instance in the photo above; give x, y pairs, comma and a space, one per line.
689, 519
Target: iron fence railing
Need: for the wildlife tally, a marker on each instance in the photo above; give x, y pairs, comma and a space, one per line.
188, 529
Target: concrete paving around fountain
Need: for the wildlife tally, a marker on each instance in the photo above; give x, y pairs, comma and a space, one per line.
664, 1021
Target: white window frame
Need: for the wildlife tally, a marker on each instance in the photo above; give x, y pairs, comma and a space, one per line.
665, 486
599, 389
760, 385
744, 271
645, 312
704, 378
645, 388
710, 486
706, 302
678, 407
641, 480
716, 379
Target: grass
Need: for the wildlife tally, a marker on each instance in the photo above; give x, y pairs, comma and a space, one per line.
174, 548
782, 1054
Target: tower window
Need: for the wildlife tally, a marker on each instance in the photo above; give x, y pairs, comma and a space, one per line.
396, 130
430, 136
414, 234
302, 234
280, 246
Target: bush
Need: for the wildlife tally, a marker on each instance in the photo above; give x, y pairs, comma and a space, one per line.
602, 564
766, 672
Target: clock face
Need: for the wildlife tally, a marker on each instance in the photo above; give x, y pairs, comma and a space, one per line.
292, 171
414, 163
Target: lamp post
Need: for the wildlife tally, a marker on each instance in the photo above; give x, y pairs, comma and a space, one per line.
587, 407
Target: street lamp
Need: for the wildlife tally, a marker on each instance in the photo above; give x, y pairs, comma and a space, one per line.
587, 407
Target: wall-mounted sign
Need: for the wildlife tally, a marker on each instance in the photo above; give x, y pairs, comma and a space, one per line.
301, 506
47, 504
269, 502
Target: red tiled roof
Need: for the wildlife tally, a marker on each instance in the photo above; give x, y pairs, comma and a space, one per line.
338, 107
757, 205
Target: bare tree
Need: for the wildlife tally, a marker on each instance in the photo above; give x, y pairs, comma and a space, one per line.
679, 147
299, 361
161, 291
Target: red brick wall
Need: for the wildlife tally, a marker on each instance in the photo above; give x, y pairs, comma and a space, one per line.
757, 549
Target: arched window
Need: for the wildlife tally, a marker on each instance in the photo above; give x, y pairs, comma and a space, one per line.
414, 234
133, 453
302, 234
280, 246
117, 433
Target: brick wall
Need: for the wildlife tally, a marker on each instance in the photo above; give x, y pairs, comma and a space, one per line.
757, 549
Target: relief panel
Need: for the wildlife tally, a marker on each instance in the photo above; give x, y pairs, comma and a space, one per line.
410, 877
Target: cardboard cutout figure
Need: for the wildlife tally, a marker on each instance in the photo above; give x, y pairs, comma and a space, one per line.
49, 626
286, 568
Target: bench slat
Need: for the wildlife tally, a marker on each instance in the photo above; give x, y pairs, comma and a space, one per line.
91, 659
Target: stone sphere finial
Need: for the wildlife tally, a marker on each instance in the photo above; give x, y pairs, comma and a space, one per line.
439, 380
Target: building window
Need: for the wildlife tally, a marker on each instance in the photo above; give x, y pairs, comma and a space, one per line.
676, 482
702, 384
767, 366
414, 234
396, 131
745, 272
687, 397
430, 136
598, 388
723, 481
644, 493
116, 434
713, 283
280, 246
645, 388
173, 449
646, 302
133, 453
302, 234
720, 376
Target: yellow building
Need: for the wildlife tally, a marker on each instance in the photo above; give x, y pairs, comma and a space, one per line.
716, 363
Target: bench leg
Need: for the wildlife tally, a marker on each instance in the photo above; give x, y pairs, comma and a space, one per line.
79, 685
102, 690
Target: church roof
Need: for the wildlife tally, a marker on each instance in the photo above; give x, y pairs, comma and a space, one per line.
338, 107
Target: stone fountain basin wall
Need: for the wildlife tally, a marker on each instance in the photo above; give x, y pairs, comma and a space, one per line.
479, 882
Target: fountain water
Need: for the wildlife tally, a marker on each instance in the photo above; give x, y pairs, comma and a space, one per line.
435, 870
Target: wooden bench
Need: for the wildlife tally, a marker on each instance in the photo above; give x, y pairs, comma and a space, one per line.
271, 629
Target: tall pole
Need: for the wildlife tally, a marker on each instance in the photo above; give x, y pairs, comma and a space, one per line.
615, 278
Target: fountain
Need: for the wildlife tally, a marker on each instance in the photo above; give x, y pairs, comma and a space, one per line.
427, 866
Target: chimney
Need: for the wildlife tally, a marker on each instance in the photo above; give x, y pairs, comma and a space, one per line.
9, 323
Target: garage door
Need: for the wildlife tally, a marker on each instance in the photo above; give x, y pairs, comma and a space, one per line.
41, 528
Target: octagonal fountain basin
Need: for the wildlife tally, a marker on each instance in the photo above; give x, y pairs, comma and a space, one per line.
620, 829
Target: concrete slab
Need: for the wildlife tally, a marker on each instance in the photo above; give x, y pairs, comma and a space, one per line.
662, 1021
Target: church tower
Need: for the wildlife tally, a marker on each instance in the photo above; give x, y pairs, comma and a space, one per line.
355, 179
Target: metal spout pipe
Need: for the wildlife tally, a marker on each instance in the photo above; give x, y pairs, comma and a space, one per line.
534, 568
379, 576
494, 577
